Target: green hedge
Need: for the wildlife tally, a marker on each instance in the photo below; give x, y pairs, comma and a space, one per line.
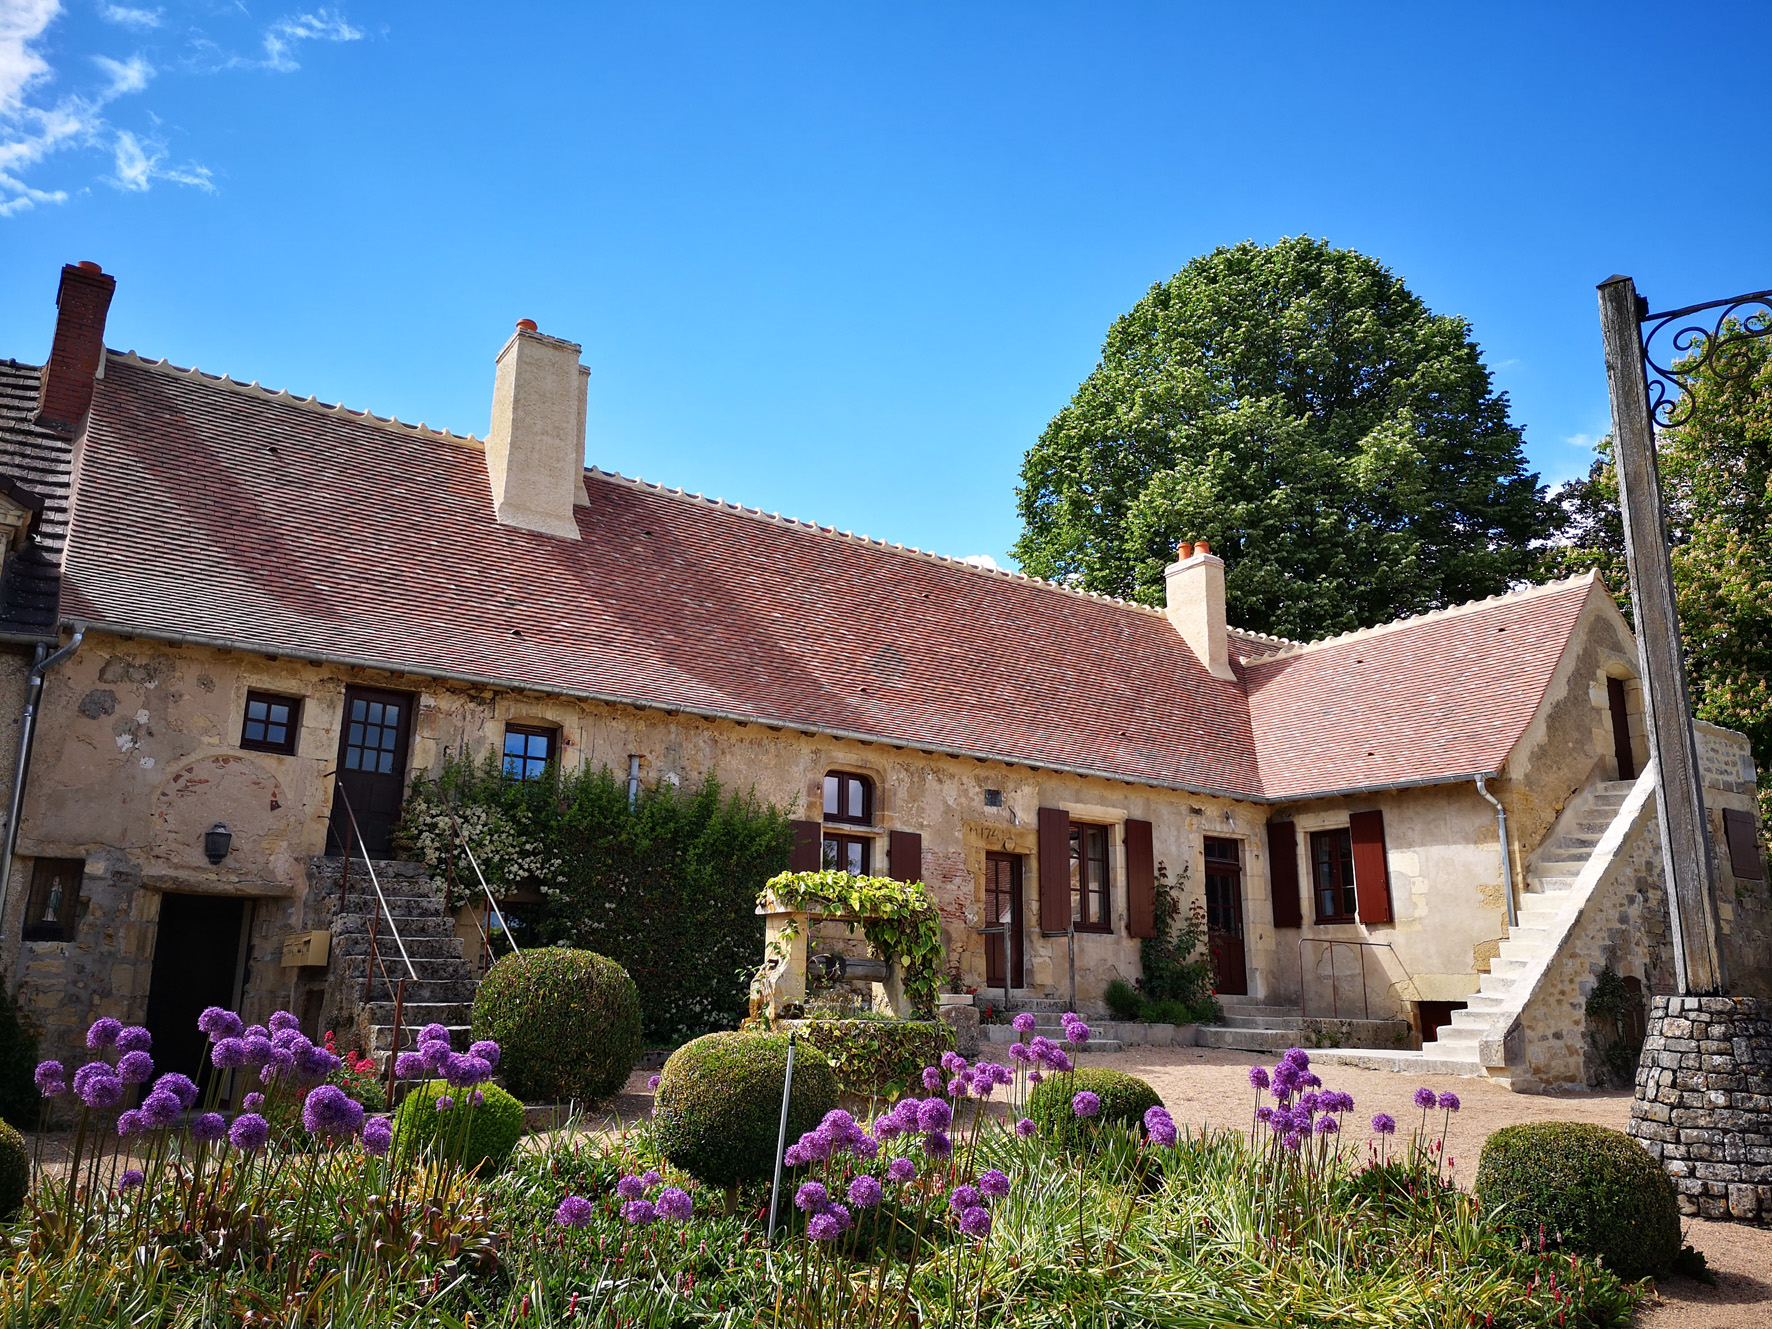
15, 1171
878, 1058
718, 1106
1593, 1190
1124, 1101
493, 1132
567, 1024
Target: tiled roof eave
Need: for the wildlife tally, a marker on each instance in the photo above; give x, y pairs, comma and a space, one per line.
1392, 786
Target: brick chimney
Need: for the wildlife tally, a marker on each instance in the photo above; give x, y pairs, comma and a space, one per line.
535, 450
82, 302
1195, 604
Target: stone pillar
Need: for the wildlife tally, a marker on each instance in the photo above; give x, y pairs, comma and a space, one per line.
784, 978
1704, 1103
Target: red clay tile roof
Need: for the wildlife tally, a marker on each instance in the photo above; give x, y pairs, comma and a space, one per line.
34, 470
211, 511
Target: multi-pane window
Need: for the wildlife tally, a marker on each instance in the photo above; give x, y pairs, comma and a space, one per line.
51, 912
849, 853
373, 736
849, 798
1089, 878
528, 751
1224, 887
1332, 875
271, 722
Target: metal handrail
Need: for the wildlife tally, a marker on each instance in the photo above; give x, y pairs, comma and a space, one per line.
491, 903
1334, 993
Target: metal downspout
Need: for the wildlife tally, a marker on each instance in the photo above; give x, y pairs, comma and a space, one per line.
1507, 858
27, 728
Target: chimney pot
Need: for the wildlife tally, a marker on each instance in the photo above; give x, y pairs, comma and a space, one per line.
88, 265
527, 325
1201, 547
1184, 551
1195, 605
535, 450
82, 301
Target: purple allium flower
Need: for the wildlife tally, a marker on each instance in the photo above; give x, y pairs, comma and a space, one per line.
994, 1183
1258, 1077
209, 1127
1449, 1101
1426, 1098
630, 1187
133, 1038
51, 1079
958, 1086
314, 1062
1336, 1101
952, 1062
864, 1191
253, 1102
1161, 1133
329, 1110
1384, 1124
1024, 1023
1311, 1080
103, 1033
811, 1198
220, 1024
901, 1170
486, 1050
976, 1222
378, 1135
649, 1178
280, 1063
866, 1147
1060, 1062
228, 1052
963, 1198
1310, 1101
1297, 1057
1076, 1034
258, 1049
1085, 1104
410, 1066
886, 1127
1040, 1047
444, 1102
1025, 1127
102, 1091
575, 1211
434, 1033
249, 1132
824, 1227
130, 1123
638, 1212
283, 1020
478, 1098
674, 1203
652, 1084
1327, 1126
1069, 1018
932, 1079
794, 1156
130, 1179
257, 1031
934, 1115
1293, 1141
1264, 1113
937, 1145
435, 1053
179, 1085
291, 1040
1034, 1077
1018, 1052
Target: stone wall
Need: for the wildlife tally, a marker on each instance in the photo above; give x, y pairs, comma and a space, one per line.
1744, 904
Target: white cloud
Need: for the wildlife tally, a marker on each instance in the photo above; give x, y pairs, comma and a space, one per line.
286, 33
139, 164
1583, 442
129, 75
130, 18
21, 23
984, 561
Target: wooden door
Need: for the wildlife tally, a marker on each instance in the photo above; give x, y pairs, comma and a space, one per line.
372, 748
1621, 749
1002, 907
1224, 916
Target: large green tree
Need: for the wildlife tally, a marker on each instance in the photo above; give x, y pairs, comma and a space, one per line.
1339, 444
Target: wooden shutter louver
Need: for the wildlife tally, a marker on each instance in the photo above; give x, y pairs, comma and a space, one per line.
808, 855
1743, 837
1055, 870
904, 852
1141, 881
1282, 866
1372, 876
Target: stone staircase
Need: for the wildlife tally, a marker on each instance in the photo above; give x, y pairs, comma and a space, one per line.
1104, 1035
440, 985
1249, 1026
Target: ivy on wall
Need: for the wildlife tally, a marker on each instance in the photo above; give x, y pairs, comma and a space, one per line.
898, 918
665, 886
877, 1059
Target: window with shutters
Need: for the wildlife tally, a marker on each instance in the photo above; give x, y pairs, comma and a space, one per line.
1090, 879
853, 854
849, 798
271, 723
528, 750
1332, 875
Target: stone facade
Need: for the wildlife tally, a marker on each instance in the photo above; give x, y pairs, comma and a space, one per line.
1704, 1103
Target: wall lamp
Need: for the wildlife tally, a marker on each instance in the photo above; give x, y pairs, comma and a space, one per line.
217, 840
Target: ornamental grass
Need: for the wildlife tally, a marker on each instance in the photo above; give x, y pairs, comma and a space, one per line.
941, 1210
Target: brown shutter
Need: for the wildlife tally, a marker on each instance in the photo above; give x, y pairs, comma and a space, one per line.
1372, 877
808, 847
1055, 870
1141, 881
1282, 867
1745, 860
904, 850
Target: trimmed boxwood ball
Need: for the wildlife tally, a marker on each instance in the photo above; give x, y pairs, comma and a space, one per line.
1124, 1101
496, 1127
1592, 1190
567, 1024
15, 1170
718, 1106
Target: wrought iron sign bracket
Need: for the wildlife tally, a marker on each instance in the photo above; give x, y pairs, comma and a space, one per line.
1695, 344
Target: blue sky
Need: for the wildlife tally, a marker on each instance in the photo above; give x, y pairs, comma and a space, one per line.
844, 261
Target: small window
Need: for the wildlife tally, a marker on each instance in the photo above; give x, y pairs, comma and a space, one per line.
993, 798
849, 798
528, 751
853, 854
1332, 875
271, 724
1089, 878
55, 897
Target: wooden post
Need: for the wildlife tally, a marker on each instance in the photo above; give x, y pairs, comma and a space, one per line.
1667, 709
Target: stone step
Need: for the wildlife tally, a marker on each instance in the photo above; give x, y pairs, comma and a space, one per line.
354, 944
1279, 1040
348, 924
1496, 985
380, 1036
1523, 951
423, 992
1401, 1061
1457, 1035
416, 1014
1506, 968
1549, 885
430, 968
1244, 1006
1576, 843
1036, 1005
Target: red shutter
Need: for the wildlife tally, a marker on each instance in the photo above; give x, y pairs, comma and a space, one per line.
1372, 877
904, 851
1745, 860
808, 847
1282, 868
1141, 881
1055, 870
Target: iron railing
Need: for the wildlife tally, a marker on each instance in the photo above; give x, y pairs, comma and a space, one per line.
1334, 990
492, 909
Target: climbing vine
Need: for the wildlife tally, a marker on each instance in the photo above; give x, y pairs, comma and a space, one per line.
898, 918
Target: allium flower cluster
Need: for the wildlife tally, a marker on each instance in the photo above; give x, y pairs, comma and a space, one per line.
1042, 1051
378, 1136
330, 1111
1159, 1126
51, 1079
837, 1134
1076, 1033
1085, 1104
575, 1211
133, 1038
1426, 1098
249, 1132
103, 1033
672, 1202
98, 1085
220, 1024
1384, 1124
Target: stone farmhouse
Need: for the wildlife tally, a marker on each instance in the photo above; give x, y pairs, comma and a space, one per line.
223, 604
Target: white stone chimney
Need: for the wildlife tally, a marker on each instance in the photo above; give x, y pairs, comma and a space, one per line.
535, 450
1195, 604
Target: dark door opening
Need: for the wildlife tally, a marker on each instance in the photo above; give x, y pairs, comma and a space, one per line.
1224, 916
1002, 908
1621, 749
197, 963
1433, 1016
372, 747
